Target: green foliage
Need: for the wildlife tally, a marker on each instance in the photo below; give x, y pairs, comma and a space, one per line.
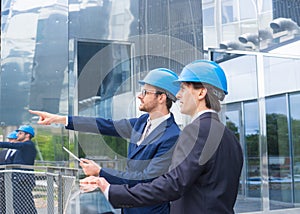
296, 139
233, 128
50, 146
277, 135
117, 144
96, 145
252, 142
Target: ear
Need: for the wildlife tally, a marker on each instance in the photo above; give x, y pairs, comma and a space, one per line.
202, 93
162, 98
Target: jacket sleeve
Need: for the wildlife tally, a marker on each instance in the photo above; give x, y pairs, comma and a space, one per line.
118, 128
169, 186
17, 146
154, 167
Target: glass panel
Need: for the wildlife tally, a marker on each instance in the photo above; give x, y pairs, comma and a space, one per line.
250, 181
252, 159
208, 16
280, 182
248, 10
234, 124
34, 70
104, 84
227, 12
295, 125
99, 82
281, 75
264, 6
240, 77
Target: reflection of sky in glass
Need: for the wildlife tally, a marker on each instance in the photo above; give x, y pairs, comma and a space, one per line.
241, 79
281, 75
233, 117
276, 105
295, 103
251, 118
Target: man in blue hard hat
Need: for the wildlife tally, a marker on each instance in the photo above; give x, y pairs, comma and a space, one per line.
207, 161
6, 157
23, 183
152, 135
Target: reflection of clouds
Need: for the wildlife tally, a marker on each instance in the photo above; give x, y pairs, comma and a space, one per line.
281, 74
238, 78
294, 106
251, 118
20, 35
276, 105
233, 116
25, 5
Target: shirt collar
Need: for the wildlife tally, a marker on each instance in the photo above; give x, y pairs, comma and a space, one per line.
157, 121
202, 112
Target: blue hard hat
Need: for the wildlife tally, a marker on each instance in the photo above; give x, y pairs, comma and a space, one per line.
27, 129
12, 135
204, 71
163, 78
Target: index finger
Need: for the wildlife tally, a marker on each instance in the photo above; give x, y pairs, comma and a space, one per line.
35, 112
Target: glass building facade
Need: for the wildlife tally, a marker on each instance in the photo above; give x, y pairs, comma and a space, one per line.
85, 57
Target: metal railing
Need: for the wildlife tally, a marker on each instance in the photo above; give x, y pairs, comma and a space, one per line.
30, 190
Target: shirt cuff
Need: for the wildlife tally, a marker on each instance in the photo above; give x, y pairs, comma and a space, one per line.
106, 192
67, 120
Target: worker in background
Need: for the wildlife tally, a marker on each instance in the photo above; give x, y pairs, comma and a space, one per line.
23, 183
6, 157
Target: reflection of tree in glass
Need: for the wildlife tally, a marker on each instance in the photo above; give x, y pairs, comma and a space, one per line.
296, 141
233, 128
277, 135
252, 154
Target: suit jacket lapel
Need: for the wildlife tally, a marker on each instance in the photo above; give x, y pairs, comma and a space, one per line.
154, 135
136, 135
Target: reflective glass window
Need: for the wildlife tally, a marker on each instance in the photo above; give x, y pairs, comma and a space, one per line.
248, 9
280, 185
104, 84
227, 12
252, 154
264, 6
295, 126
209, 16
281, 75
241, 79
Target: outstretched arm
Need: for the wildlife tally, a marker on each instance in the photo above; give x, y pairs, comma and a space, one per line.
48, 118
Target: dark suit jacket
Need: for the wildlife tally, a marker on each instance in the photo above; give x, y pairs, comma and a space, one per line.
2, 156
145, 162
203, 177
25, 153
9, 159
23, 183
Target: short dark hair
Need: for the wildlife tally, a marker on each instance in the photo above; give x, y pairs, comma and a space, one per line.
211, 100
30, 136
169, 102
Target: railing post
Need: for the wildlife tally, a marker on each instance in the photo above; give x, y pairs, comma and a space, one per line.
60, 193
50, 193
8, 192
